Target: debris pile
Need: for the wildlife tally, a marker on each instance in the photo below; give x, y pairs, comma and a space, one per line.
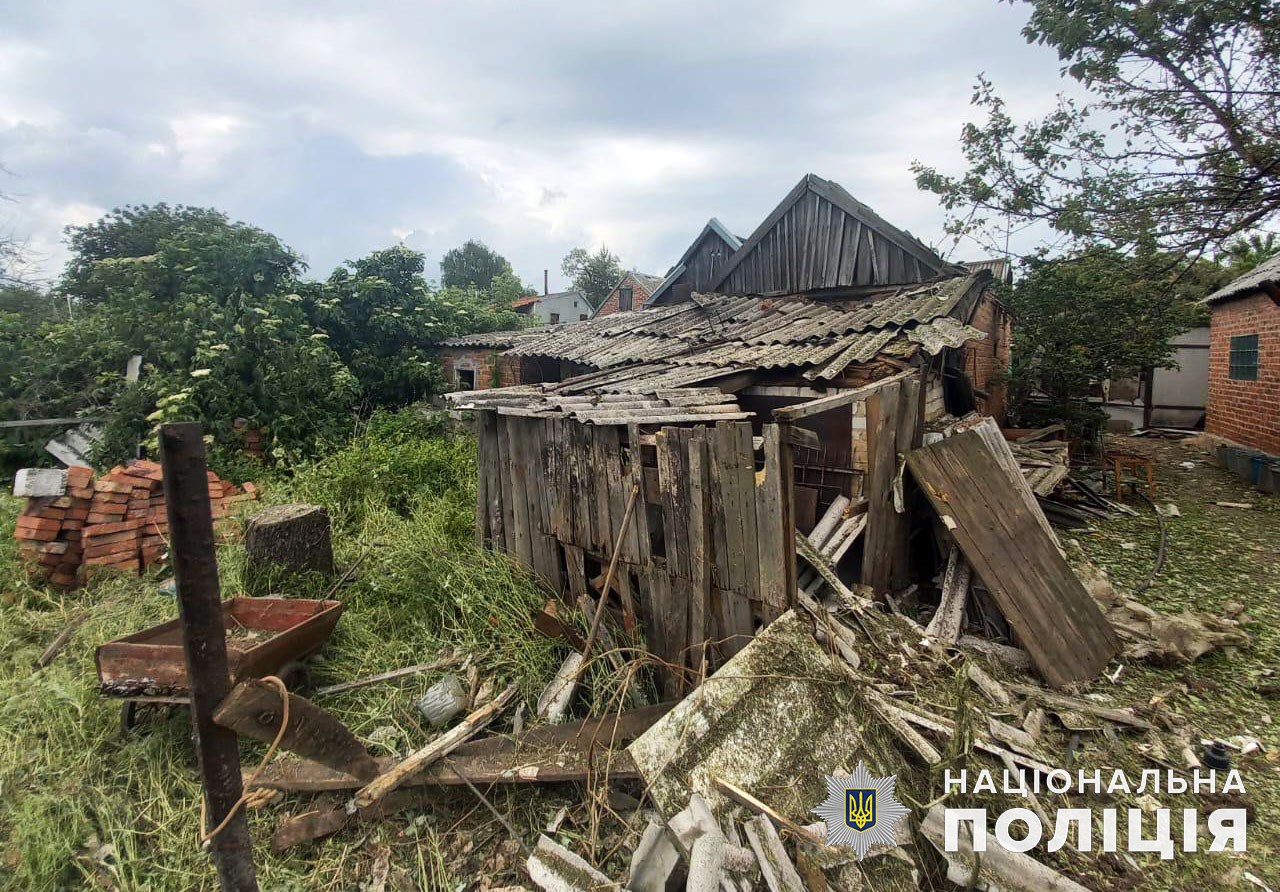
73, 525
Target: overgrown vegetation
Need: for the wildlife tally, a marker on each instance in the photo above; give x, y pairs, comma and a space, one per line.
72, 784
227, 328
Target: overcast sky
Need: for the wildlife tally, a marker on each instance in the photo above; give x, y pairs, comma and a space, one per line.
534, 127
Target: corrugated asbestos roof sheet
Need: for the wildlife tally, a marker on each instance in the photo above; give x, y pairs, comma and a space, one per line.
1264, 274
755, 332
713, 336
658, 406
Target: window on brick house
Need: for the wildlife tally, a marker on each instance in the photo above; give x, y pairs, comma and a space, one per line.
624, 299
555, 317
582, 317
1243, 362
466, 379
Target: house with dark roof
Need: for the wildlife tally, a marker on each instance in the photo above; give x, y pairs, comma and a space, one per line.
699, 266
818, 256
1244, 359
631, 293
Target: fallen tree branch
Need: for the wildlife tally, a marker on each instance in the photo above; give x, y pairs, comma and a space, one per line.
441, 746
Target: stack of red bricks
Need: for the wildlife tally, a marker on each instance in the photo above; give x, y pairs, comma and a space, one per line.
49, 529
118, 521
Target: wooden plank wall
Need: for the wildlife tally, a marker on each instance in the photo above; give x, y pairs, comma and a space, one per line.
975, 485
706, 556
893, 428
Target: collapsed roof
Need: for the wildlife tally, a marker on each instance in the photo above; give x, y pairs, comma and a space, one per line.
715, 336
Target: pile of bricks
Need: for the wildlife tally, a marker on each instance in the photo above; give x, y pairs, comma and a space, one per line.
118, 521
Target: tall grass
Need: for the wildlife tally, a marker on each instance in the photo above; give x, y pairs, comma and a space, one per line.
84, 806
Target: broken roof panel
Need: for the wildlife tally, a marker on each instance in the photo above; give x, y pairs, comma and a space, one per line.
714, 336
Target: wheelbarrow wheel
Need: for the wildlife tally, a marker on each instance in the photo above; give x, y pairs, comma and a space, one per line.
128, 716
296, 676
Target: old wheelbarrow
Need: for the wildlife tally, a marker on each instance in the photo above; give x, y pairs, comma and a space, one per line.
265, 636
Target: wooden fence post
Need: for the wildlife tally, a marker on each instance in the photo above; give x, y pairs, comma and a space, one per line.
186, 489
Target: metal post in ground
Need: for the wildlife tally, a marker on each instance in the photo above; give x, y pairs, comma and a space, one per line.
195, 566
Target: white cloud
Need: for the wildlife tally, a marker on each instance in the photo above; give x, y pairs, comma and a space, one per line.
534, 127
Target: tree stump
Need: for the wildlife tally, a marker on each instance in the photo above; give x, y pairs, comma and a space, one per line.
292, 537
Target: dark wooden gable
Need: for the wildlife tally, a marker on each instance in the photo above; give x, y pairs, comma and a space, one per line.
820, 236
700, 266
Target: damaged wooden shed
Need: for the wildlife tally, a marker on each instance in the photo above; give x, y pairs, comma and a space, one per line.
735, 421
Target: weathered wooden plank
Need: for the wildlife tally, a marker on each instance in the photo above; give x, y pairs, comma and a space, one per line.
520, 540
773, 535
254, 709
489, 468
576, 571
909, 420
633, 473
483, 483
991, 515
666, 628
503, 470
744, 473
610, 499
882, 459
700, 547
671, 445
836, 400
719, 511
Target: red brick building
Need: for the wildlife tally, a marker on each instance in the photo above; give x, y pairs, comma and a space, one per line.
1244, 359
631, 293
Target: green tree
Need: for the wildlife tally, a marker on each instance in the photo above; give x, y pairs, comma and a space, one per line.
474, 265
594, 275
1179, 136
506, 288
1247, 252
1095, 315
213, 308
382, 317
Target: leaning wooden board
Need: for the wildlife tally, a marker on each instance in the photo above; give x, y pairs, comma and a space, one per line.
972, 479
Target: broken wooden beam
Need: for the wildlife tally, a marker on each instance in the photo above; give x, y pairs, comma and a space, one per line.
441, 746
254, 709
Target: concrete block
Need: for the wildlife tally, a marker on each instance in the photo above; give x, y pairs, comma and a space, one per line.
35, 483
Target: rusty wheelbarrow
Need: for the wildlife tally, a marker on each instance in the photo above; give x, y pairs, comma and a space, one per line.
265, 636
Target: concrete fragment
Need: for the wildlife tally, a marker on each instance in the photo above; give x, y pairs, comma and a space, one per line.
39, 483
443, 701
653, 860
556, 869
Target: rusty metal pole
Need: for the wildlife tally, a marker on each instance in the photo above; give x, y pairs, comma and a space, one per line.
186, 489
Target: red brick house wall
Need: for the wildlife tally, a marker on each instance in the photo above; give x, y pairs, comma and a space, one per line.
639, 295
1246, 412
984, 360
482, 361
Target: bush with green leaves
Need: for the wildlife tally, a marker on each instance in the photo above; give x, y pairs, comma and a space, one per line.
228, 330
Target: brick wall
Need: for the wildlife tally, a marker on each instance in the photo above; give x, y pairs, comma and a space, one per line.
481, 361
1246, 412
983, 359
639, 295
